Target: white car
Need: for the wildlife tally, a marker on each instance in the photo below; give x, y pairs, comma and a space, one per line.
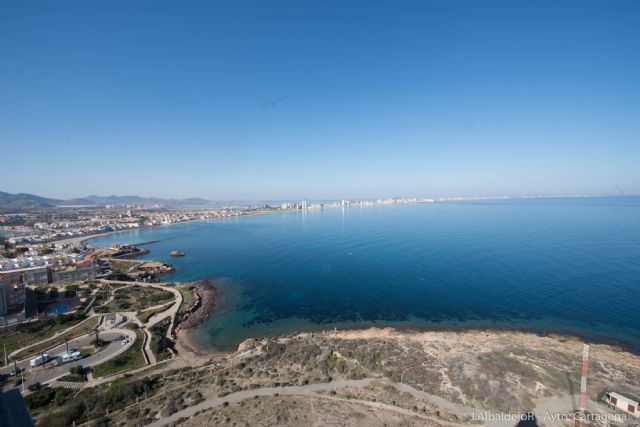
70, 357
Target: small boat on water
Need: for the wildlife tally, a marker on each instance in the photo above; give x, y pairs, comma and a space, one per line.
177, 253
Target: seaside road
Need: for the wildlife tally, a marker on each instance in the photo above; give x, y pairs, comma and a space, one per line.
74, 343
51, 372
52, 338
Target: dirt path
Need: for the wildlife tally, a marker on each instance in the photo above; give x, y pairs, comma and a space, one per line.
171, 312
550, 406
270, 391
459, 410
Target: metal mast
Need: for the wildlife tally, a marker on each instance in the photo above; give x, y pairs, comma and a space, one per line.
583, 384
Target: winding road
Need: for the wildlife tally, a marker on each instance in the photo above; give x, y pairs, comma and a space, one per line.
51, 370
562, 404
267, 391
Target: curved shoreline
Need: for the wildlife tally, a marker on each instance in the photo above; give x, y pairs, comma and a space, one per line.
463, 329
597, 339
207, 309
83, 239
206, 303
559, 334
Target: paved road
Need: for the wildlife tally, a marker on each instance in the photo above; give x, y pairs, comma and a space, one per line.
53, 338
50, 372
170, 312
74, 343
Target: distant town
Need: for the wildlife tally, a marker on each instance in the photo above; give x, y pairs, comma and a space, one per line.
46, 245
43, 241
98, 328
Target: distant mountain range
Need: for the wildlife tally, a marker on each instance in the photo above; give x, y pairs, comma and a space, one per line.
23, 201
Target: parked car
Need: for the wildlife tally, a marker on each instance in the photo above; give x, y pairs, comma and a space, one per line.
70, 357
15, 372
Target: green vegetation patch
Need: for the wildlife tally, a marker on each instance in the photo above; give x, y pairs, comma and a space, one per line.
130, 359
43, 398
144, 316
93, 403
77, 374
79, 330
120, 267
29, 333
71, 290
188, 299
102, 295
160, 344
137, 298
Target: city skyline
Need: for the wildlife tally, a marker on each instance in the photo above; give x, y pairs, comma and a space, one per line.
320, 100
117, 200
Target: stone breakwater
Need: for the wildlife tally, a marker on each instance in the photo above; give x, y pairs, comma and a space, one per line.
203, 307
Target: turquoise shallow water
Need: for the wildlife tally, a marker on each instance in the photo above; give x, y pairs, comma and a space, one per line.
562, 265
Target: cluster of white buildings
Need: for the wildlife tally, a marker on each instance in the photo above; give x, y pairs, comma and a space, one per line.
34, 258
105, 221
305, 205
43, 232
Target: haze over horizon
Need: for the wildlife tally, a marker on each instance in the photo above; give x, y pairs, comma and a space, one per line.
188, 198
320, 100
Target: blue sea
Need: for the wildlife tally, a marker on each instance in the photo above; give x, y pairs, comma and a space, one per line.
567, 265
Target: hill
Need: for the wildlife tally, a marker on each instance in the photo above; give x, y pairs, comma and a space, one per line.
24, 201
137, 200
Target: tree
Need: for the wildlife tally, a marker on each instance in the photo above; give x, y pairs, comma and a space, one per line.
78, 371
35, 386
71, 290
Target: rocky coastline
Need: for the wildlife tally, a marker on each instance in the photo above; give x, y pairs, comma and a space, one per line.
205, 304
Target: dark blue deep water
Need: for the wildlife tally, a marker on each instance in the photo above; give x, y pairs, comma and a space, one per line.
562, 265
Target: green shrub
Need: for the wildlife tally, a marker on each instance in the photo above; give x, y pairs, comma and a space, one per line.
71, 291
92, 403
40, 398
35, 387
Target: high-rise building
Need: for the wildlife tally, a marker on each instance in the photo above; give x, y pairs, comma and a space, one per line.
3, 300
12, 297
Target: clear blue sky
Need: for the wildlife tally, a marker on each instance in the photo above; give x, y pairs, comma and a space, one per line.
319, 99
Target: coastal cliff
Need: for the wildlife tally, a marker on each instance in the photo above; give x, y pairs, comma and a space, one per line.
203, 306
